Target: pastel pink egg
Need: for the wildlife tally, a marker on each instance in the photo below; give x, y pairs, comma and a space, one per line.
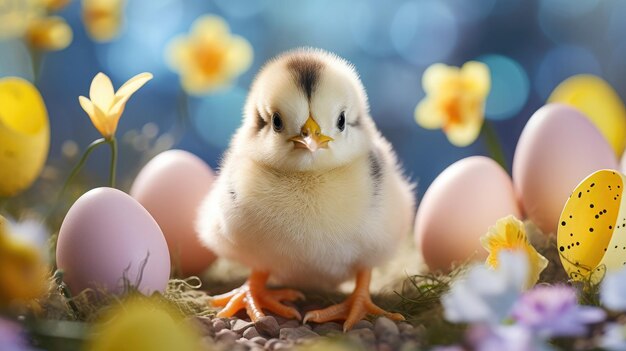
459, 207
171, 187
107, 237
558, 148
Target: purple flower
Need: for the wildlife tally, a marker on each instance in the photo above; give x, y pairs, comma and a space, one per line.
510, 337
554, 311
11, 338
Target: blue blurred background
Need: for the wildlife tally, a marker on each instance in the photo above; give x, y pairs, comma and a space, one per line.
530, 47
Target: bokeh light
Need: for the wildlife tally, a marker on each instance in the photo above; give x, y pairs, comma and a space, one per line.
509, 87
424, 32
562, 62
370, 23
241, 8
472, 11
568, 8
217, 116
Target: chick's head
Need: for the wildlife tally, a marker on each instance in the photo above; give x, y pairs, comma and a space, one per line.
307, 111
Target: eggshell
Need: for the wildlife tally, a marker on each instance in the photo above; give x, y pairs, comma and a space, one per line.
171, 187
558, 147
459, 207
592, 230
107, 236
24, 135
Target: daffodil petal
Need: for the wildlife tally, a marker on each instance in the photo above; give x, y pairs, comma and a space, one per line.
178, 53
476, 77
239, 56
127, 90
436, 75
210, 28
427, 115
464, 134
101, 92
98, 118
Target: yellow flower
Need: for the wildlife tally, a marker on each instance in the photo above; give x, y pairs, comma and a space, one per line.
210, 57
144, 324
509, 234
455, 100
15, 16
103, 18
48, 33
106, 105
23, 274
55, 5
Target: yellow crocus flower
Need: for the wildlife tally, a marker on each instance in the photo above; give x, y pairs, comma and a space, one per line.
103, 18
105, 106
48, 33
455, 100
210, 57
509, 234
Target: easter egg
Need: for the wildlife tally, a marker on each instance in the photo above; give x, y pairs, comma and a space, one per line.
597, 100
24, 135
171, 187
107, 240
592, 228
558, 147
459, 207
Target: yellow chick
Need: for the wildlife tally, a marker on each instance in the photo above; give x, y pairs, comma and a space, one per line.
309, 194
23, 274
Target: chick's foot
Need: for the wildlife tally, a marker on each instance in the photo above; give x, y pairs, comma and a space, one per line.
255, 297
355, 308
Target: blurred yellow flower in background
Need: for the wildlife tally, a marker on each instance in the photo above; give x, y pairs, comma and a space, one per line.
509, 234
24, 135
210, 57
55, 5
15, 16
103, 18
23, 273
48, 33
455, 100
105, 106
144, 324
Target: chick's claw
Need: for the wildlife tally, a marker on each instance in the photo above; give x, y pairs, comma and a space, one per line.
255, 297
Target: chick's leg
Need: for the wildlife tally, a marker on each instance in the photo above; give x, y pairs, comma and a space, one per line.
254, 297
355, 308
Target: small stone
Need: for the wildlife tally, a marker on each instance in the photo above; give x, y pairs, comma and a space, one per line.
268, 326
219, 324
226, 336
363, 335
363, 323
384, 327
250, 333
328, 327
259, 340
271, 343
297, 333
290, 324
282, 345
241, 325
404, 326
384, 347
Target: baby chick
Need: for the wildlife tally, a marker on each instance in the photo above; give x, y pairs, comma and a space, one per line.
309, 192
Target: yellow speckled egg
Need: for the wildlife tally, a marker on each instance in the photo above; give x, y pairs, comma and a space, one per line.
24, 135
592, 228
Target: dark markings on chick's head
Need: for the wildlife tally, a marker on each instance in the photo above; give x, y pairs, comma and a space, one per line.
356, 123
376, 171
305, 71
260, 122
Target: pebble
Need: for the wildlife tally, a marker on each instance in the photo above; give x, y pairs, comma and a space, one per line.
363, 324
366, 336
241, 325
250, 333
259, 340
268, 326
328, 328
385, 327
218, 324
226, 336
290, 324
297, 333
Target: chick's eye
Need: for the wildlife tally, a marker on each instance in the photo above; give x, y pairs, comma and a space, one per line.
341, 121
277, 122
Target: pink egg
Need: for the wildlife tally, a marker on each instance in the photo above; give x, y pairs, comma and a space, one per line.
171, 187
107, 237
557, 149
459, 207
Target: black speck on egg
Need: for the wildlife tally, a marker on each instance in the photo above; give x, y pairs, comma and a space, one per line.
563, 223
610, 227
593, 184
591, 230
603, 211
561, 249
591, 206
580, 194
577, 243
597, 216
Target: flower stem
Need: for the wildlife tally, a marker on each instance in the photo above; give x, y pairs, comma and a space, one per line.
491, 139
80, 164
113, 144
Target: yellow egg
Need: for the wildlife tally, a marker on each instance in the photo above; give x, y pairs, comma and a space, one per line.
599, 102
591, 237
24, 135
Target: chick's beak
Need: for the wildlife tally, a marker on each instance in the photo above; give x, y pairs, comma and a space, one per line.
311, 137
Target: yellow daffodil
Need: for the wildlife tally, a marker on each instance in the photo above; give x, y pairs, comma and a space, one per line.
23, 274
48, 33
509, 234
455, 100
144, 324
55, 5
103, 18
210, 57
15, 16
105, 106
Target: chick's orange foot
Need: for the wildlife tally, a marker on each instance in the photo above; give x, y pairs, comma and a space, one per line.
355, 308
255, 297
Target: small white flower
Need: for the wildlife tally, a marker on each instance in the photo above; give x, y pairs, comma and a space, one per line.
31, 232
614, 338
